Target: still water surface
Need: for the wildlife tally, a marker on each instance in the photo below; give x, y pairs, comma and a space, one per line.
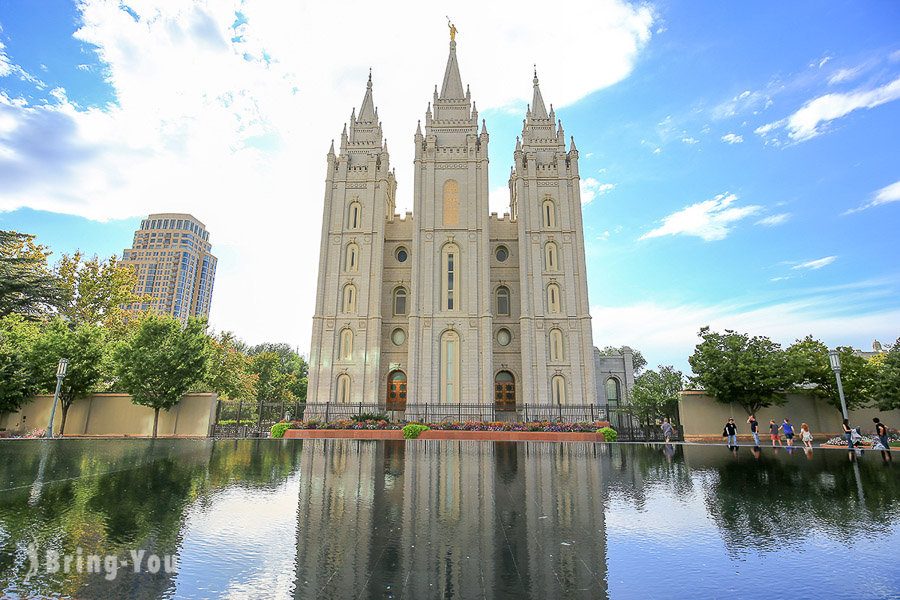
432, 519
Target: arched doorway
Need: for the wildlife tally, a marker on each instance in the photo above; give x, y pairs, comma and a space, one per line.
504, 391
396, 391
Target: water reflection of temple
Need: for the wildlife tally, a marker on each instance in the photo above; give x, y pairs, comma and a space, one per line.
441, 519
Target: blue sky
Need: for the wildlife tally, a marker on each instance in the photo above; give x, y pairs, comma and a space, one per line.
739, 162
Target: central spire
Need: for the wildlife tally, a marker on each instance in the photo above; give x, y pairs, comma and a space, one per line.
538, 110
452, 88
367, 109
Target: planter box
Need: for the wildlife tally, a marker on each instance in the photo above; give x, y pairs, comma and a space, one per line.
485, 436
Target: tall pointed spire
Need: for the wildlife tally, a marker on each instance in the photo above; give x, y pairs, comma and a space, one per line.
452, 88
538, 110
367, 109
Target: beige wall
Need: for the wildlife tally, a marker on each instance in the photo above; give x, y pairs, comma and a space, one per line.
114, 414
702, 416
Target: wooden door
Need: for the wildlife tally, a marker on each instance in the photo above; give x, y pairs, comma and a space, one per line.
396, 391
505, 391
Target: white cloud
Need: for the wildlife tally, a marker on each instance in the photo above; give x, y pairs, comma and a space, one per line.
591, 188
709, 220
845, 75
816, 264
822, 62
232, 123
773, 220
887, 194
732, 138
689, 140
809, 121
818, 313
656, 151
498, 200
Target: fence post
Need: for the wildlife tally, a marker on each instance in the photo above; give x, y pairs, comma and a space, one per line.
327, 406
240, 406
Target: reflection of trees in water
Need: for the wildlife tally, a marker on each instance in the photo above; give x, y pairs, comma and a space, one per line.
641, 470
114, 496
769, 503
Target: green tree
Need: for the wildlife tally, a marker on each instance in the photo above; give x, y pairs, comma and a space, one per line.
161, 361
290, 362
229, 368
273, 384
811, 371
26, 285
885, 373
17, 385
733, 367
638, 360
94, 291
655, 394
84, 346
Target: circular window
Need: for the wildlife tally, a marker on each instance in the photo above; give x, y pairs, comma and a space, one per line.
502, 254
401, 254
398, 336
504, 337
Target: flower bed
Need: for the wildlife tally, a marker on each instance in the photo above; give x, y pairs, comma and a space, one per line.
496, 430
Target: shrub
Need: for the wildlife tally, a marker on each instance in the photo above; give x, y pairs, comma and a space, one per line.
609, 434
278, 429
370, 417
413, 430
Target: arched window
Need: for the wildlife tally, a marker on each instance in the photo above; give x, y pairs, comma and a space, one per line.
348, 299
450, 382
351, 258
612, 390
556, 345
400, 301
343, 388
451, 202
553, 299
551, 256
548, 213
345, 348
558, 389
354, 215
503, 301
450, 278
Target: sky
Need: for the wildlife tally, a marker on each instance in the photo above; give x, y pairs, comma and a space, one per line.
740, 163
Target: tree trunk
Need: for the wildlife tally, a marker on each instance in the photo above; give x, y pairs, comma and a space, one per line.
62, 423
155, 421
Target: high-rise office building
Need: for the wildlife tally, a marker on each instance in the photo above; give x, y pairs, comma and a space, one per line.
171, 254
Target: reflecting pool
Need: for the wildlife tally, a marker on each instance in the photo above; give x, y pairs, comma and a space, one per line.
435, 519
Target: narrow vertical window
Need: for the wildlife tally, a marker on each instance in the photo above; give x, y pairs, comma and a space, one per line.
612, 390
354, 215
345, 348
553, 300
348, 302
558, 389
343, 388
451, 203
548, 213
351, 260
503, 301
450, 279
556, 345
400, 301
551, 256
450, 384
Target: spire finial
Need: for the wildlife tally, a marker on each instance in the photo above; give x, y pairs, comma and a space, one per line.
453, 29
369, 85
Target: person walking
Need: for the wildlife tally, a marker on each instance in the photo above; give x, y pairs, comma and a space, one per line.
848, 433
730, 431
788, 432
754, 429
773, 432
667, 429
805, 435
882, 432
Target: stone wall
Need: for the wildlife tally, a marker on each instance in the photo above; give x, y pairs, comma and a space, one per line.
115, 414
703, 417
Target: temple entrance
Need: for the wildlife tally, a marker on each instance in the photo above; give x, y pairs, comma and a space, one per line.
505, 391
396, 391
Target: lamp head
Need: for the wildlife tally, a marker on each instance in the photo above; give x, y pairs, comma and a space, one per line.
61, 368
834, 358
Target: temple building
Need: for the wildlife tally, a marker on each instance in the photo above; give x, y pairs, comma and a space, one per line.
451, 304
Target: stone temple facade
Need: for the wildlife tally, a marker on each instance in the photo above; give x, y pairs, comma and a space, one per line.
450, 304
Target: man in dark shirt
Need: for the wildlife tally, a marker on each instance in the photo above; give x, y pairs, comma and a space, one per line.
882, 432
754, 429
731, 432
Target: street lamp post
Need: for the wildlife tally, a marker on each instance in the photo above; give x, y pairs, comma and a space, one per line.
60, 375
834, 358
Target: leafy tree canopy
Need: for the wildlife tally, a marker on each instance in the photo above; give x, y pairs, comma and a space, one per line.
885, 373
93, 291
811, 371
655, 394
26, 285
229, 368
162, 361
734, 367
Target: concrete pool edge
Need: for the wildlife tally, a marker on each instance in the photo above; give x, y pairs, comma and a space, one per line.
483, 436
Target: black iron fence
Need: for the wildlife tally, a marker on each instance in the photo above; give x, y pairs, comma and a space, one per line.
252, 419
